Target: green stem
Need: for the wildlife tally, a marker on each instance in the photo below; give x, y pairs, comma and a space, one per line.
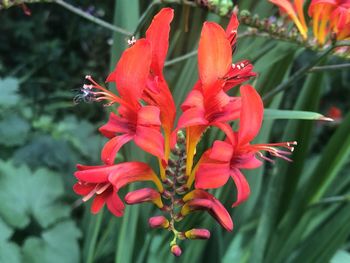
144, 17
93, 240
332, 200
301, 72
297, 75
180, 58
195, 52
92, 18
330, 67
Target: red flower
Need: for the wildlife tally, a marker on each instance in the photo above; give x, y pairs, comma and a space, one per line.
104, 182
330, 16
157, 92
201, 200
144, 195
208, 104
225, 159
295, 12
140, 123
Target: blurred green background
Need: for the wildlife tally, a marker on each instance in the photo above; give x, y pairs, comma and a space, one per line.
297, 212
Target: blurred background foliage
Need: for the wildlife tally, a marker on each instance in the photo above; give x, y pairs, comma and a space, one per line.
297, 212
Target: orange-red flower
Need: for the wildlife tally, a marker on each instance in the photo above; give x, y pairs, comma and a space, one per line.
104, 182
146, 114
137, 122
157, 92
208, 104
201, 200
330, 16
225, 159
295, 12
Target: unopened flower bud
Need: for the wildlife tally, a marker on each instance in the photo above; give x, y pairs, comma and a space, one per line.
144, 195
197, 234
168, 182
181, 137
181, 190
176, 250
166, 194
158, 222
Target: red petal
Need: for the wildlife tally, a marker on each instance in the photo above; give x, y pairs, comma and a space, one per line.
251, 115
220, 213
243, 190
212, 175
148, 115
129, 172
111, 148
193, 100
132, 71
98, 202
95, 174
115, 205
158, 94
200, 199
227, 129
214, 54
192, 117
158, 35
83, 188
150, 140
231, 29
144, 195
115, 124
248, 161
221, 151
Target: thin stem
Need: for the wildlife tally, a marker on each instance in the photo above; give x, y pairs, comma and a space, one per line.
180, 58
194, 52
332, 200
330, 67
144, 16
300, 73
92, 18
297, 75
93, 240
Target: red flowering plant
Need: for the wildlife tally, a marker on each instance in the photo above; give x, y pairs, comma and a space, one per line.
146, 114
330, 18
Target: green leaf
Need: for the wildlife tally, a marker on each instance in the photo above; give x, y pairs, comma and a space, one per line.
78, 132
273, 114
58, 244
10, 253
9, 88
282, 190
45, 151
13, 130
25, 194
5, 231
342, 256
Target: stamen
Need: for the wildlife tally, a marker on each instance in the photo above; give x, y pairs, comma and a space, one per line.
131, 41
89, 195
102, 188
271, 148
103, 93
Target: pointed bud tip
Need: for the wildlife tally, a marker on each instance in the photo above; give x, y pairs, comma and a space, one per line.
158, 222
198, 233
176, 250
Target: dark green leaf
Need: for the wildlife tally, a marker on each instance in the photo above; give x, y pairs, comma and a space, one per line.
9, 88
27, 194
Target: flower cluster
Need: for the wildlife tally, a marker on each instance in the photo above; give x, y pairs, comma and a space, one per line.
328, 17
146, 115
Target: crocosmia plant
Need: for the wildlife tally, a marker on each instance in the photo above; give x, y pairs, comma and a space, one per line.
146, 113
